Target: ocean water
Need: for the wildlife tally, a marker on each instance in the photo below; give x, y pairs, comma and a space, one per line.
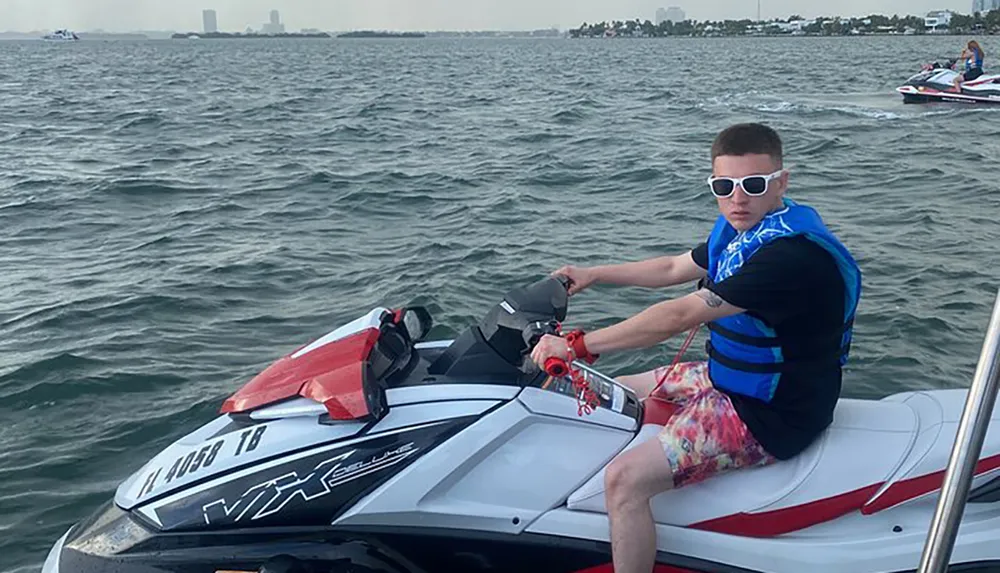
175, 215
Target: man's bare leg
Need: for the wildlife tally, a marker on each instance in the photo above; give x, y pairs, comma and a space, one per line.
631, 481
642, 384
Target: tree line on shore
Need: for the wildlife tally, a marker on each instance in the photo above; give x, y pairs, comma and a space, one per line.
988, 22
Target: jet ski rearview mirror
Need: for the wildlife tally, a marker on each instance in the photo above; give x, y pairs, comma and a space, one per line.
418, 322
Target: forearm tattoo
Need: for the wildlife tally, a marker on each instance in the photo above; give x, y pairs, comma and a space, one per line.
711, 299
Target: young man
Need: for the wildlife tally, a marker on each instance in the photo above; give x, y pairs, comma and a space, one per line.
778, 292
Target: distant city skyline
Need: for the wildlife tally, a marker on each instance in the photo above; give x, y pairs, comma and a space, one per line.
419, 15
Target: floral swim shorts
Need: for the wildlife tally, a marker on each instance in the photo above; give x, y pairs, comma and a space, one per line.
706, 437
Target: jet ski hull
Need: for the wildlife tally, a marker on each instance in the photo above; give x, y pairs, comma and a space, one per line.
932, 95
563, 541
455, 456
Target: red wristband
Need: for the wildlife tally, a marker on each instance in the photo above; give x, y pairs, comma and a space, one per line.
576, 342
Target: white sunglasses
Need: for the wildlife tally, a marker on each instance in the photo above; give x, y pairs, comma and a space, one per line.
753, 185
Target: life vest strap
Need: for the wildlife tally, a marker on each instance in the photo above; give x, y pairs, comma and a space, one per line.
759, 341
767, 341
775, 367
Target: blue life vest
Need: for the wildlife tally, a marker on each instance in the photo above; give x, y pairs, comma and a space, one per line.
974, 62
744, 353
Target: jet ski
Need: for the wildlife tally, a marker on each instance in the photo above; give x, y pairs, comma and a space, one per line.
374, 449
935, 83
61, 36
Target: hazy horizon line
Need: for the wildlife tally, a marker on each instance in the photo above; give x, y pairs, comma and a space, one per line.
471, 30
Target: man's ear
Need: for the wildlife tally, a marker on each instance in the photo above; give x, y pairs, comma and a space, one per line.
783, 178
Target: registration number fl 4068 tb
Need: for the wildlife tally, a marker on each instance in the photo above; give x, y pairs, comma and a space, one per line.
201, 458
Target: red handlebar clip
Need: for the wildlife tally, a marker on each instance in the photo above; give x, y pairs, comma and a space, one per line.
587, 399
555, 366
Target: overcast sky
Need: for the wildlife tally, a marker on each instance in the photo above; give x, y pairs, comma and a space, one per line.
236, 15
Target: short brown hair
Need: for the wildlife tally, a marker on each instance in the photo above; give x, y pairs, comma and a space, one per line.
747, 139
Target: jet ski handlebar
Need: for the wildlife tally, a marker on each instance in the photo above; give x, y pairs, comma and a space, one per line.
533, 332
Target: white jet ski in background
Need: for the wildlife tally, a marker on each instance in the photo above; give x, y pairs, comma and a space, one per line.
935, 83
61, 36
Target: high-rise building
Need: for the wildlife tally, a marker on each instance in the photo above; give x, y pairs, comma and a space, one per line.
673, 14
274, 26
983, 6
209, 21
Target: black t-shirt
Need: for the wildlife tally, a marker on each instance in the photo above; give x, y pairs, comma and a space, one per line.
794, 286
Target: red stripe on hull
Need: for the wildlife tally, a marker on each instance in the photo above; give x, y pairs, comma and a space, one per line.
908, 489
788, 519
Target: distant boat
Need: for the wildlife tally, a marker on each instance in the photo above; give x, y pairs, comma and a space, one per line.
61, 36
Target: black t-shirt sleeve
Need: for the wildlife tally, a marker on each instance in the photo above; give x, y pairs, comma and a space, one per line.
700, 255
778, 280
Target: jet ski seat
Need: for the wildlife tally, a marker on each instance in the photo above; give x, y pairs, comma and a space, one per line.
866, 443
875, 456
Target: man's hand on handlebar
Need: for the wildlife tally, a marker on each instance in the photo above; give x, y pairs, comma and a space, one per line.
580, 277
550, 346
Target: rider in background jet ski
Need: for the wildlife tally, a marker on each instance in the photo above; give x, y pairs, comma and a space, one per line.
778, 291
973, 55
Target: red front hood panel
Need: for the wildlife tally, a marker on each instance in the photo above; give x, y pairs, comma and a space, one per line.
333, 374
